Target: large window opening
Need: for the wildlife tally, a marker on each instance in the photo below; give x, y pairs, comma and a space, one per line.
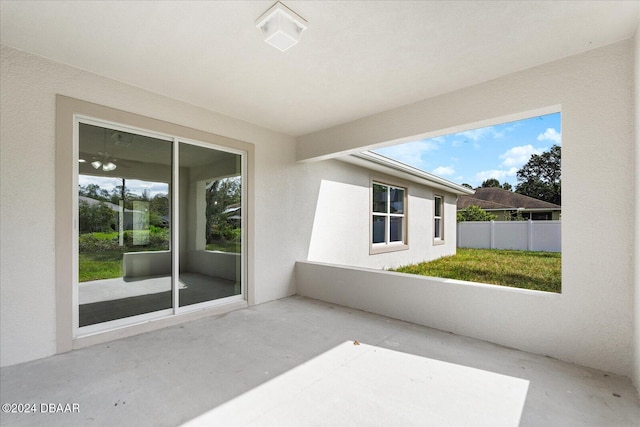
509, 232
159, 225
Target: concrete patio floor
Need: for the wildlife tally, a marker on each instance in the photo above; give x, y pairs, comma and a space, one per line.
175, 375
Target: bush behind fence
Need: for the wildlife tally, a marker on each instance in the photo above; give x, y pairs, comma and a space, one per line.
520, 235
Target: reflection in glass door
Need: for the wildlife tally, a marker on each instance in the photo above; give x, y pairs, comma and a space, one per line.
210, 224
123, 224
159, 226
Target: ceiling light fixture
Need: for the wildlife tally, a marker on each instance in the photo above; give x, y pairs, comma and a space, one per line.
281, 27
106, 166
107, 163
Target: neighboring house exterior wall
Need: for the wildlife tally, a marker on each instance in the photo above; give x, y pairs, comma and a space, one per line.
341, 226
508, 215
508, 205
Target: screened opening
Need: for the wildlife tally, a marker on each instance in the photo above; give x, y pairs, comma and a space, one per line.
508, 232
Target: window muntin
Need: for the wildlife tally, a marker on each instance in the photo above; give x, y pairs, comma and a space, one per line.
438, 223
388, 219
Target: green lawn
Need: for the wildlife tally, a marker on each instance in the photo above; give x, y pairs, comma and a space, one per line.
100, 255
100, 265
540, 271
224, 246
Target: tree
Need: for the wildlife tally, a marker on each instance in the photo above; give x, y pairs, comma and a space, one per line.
540, 177
464, 184
515, 216
95, 218
221, 194
491, 182
474, 213
122, 193
159, 210
93, 191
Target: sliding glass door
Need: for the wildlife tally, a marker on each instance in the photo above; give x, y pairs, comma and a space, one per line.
210, 203
159, 225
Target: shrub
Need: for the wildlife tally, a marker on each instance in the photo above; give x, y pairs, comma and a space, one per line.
474, 213
89, 242
102, 242
225, 231
98, 217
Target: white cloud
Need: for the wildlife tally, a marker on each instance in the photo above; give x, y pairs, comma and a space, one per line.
133, 185
513, 125
106, 183
444, 170
475, 134
410, 153
550, 135
518, 156
478, 134
499, 174
154, 188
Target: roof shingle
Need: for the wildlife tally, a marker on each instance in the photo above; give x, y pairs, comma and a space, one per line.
497, 198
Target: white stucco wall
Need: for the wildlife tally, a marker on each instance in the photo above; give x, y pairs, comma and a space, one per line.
591, 323
340, 231
27, 210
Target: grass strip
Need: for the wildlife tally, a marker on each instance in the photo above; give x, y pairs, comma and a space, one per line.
539, 271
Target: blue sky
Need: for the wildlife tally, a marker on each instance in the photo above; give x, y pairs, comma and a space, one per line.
476, 155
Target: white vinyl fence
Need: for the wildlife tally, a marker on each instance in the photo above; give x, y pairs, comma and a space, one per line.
521, 235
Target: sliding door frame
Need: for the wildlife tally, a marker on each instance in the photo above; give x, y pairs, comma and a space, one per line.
175, 231
70, 112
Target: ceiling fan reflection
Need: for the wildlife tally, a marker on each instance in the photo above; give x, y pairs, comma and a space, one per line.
106, 162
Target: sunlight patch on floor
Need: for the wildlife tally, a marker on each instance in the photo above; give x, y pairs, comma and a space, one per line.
359, 384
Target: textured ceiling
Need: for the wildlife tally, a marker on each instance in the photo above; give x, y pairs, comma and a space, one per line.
355, 59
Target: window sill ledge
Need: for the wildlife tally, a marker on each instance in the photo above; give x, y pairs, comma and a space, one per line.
375, 250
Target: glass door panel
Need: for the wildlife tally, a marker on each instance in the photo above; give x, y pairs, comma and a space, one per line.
210, 212
124, 223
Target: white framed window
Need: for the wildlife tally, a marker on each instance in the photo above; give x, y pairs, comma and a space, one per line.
388, 217
438, 219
